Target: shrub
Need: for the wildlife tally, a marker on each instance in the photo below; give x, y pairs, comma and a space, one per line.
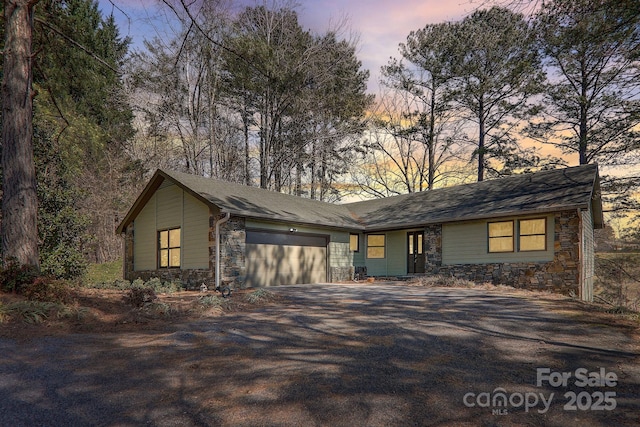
161, 287
259, 296
209, 301
13, 276
63, 262
47, 289
140, 296
158, 309
28, 311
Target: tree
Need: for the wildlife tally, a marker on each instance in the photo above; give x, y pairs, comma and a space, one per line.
62, 227
426, 84
593, 96
79, 108
19, 196
498, 71
82, 108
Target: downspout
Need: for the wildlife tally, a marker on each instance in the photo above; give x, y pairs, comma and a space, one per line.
219, 222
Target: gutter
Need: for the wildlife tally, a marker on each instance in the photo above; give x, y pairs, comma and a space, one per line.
219, 222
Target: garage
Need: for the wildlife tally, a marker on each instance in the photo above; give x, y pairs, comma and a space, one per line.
277, 258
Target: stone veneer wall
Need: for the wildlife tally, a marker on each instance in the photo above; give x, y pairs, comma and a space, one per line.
233, 237
560, 275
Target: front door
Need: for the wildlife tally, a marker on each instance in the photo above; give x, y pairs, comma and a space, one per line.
415, 252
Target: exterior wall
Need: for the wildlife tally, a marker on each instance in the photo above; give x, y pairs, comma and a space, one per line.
466, 243
588, 256
170, 207
561, 274
340, 259
394, 262
233, 237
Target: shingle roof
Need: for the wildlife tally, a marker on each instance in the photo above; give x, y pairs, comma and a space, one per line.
545, 191
539, 192
256, 202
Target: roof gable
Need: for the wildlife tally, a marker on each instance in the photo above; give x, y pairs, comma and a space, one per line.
539, 192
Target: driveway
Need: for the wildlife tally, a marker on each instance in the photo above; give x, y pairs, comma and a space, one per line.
340, 355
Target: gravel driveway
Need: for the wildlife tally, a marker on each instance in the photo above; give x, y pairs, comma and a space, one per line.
339, 355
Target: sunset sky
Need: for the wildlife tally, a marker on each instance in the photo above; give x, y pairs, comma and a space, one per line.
379, 24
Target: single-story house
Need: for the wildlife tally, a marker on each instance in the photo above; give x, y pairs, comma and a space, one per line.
530, 231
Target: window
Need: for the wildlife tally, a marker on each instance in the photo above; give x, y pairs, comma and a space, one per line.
354, 243
169, 248
375, 245
533, 236
501, 236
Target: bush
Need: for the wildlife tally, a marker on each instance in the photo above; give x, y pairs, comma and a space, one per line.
259, 296
48, 289
28, 311
161, 287
141, 296
13, 276
209, 301
63, 262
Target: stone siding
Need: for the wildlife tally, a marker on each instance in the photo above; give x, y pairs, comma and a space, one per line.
560, 275
340, 274
233, 237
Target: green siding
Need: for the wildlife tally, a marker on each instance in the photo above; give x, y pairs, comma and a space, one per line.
195, 236
359, 257
467, 243
171, 207
395, 261
144, 235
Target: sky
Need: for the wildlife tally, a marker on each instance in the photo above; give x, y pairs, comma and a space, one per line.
379, 25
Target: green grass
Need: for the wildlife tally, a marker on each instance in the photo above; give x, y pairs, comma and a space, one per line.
103, 273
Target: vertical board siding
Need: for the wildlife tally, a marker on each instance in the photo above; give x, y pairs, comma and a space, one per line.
467, 243
144, 237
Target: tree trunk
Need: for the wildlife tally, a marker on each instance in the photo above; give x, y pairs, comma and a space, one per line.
582, 137
19, 198
481, 148
432, 137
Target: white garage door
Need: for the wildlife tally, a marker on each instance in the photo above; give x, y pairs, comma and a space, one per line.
285, 258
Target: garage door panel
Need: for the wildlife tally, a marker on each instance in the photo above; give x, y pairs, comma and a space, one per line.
271, 264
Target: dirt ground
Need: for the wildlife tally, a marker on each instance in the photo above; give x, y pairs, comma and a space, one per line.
352, 355
106, 310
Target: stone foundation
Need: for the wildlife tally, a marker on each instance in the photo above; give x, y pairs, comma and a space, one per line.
190, 279
560, 275
340, 274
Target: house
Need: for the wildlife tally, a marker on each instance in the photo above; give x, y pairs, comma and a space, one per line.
530, 231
